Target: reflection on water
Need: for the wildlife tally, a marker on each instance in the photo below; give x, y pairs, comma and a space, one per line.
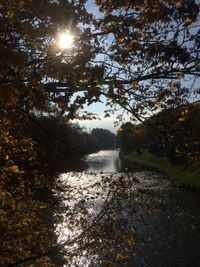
102, 200
105, 213
100, 191
88, 202
103, 161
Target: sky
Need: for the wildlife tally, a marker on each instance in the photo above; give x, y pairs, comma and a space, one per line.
102, 122
92, 8
98, 108
105, 123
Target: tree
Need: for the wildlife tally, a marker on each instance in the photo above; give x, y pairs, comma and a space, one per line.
131, 137
58, 139
152, 50
104, 138
31, 69
153, 47
175, 134
31, 58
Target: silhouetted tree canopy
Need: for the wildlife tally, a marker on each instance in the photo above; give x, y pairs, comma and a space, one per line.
175, 134
105, 139
152, 53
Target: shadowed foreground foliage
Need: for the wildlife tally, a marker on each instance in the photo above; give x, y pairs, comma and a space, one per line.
26, 211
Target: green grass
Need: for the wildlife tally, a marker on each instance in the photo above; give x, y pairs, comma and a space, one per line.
189, 177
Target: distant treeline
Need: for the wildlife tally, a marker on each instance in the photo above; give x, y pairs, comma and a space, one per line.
173, 133
55, 136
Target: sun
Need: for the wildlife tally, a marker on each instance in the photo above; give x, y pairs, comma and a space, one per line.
65, 40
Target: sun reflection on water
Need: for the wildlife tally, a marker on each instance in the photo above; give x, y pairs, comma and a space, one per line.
86, 195
90, 198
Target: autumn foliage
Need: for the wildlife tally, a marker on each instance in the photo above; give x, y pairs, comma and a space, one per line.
140, 55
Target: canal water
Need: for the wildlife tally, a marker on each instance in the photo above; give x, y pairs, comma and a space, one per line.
113, 214
103, 161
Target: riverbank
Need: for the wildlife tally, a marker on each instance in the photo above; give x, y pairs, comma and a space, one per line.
187, 177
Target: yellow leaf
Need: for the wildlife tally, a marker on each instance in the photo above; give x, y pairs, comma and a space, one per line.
121, 256
10, 14
181, 119
188, 21
130, 241
14, 168
171, 84
120, 130
180, 76
121, 39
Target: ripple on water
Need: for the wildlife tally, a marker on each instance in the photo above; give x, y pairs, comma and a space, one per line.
162, 235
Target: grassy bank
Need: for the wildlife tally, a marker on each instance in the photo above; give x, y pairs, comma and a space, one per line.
181, 175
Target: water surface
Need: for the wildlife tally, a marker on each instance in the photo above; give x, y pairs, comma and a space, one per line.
103, 161
149, 222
